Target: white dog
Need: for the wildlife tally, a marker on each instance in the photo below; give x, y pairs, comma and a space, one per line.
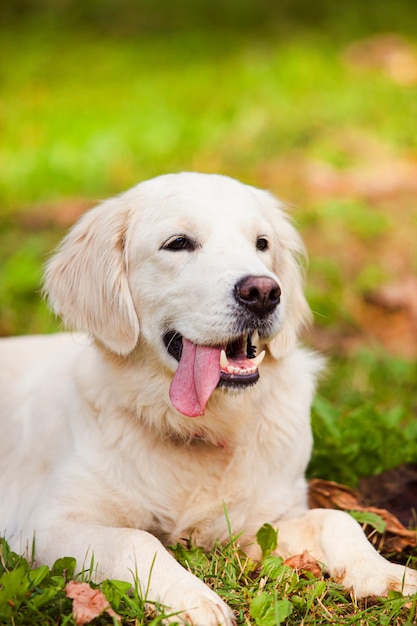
187, 394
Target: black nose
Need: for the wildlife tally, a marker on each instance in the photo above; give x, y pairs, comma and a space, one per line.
259, 294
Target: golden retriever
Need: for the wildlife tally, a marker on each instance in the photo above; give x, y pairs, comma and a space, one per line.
183, 394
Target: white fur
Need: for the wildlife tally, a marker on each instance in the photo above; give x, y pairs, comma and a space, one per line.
95, 460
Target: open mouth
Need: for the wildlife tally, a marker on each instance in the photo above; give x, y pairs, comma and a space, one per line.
203, 368
238, 360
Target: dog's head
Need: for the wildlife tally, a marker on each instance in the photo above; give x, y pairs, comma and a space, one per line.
199, 269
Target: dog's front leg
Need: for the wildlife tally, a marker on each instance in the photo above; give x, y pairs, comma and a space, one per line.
129, 554
335, 539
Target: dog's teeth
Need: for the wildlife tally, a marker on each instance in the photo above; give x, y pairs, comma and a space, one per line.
224, 363
258, 360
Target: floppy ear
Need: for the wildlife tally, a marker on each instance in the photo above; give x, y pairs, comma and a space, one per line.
289, 264
86, 280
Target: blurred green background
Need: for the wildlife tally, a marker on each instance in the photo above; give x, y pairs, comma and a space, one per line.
315, 101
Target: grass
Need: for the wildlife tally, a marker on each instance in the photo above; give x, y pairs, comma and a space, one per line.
265, 594
95, 117
97, 99
361, 425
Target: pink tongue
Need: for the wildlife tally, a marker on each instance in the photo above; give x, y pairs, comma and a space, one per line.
196, 378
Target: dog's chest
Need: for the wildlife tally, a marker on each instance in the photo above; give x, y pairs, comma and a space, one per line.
175, 487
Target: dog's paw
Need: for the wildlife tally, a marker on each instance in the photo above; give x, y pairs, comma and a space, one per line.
197, 605
204, 611
404, 579
365, 581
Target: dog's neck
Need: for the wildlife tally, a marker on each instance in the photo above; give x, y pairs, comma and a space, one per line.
220, 427
199, 439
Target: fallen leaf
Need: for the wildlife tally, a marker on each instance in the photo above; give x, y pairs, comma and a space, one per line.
304, 563
88, 603
330, 495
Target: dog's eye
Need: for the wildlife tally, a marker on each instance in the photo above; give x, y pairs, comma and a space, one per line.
179, 242
262, 243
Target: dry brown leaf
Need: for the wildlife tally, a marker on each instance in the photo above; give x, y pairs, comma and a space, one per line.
326, 494
88, 603
330, 495
304, 563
